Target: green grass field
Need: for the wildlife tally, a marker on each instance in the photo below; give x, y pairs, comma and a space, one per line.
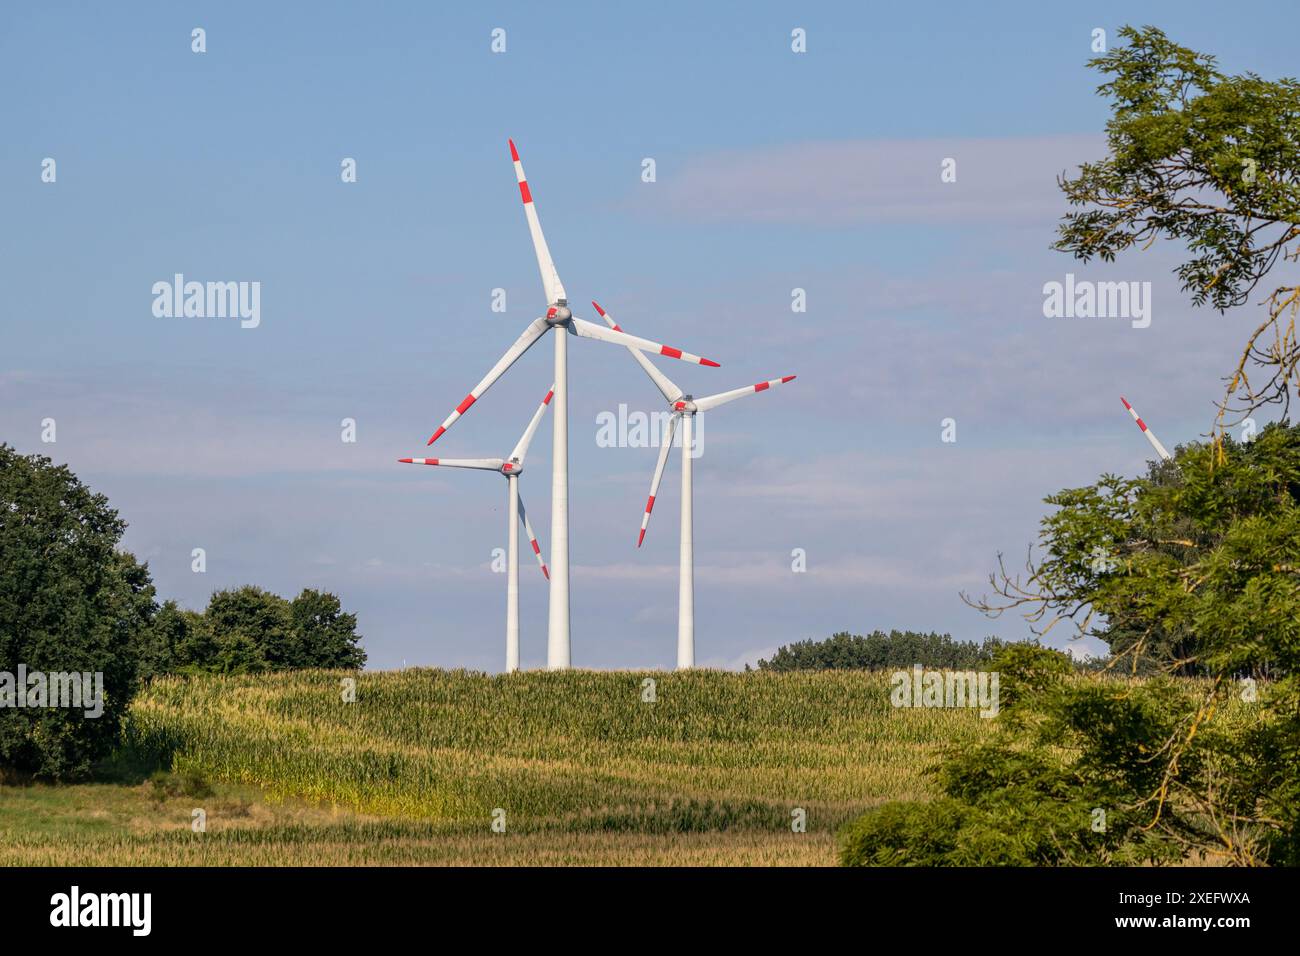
583, 769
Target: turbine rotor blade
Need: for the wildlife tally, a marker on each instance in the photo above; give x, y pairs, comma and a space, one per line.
522, 344
483, 464
1155, 442
713, 401
521, 449
666, 386
532, 538
665, 446
590, 330
550, 277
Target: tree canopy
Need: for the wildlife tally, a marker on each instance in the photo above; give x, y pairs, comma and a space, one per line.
1210, 161
1192, 569
70, 602
845, 651
248, 629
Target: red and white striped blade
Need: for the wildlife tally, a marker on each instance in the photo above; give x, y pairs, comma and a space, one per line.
532, 538
590, 330
713, 401
664, 447
521, 449
1155, 442
522, 344
550, 277
666, 386
483, 464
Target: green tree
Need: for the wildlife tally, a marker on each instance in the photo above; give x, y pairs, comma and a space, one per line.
70, 601
844, 651
177, 640
249, 629
252, 630
323, 634
1191, 570
1210, 161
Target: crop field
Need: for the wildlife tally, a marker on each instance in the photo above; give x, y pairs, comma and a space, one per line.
700, 767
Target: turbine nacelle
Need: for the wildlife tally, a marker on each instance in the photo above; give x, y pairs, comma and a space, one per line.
685, 405
512, 467
559, 313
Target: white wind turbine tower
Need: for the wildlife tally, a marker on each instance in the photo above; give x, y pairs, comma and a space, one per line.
684, 409
1155, 442
559, 317
511, 467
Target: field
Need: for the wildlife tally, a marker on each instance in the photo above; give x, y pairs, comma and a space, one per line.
575, 767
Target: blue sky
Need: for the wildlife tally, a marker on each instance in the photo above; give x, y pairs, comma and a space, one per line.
774, 171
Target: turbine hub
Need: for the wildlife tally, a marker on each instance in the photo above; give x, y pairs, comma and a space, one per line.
559, 313
512, 468
684, 405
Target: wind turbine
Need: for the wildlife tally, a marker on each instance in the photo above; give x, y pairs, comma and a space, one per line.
1155, 442
511, 468
558, 317
683, 408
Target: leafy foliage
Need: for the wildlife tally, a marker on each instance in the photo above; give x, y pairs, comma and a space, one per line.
323, 634
246, 630
69, 602
1026, 670
1208, 160
844, 651
1079, 776
1192, 575
1192, 569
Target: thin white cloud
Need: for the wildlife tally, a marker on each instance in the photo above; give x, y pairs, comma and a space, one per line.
998, 180
770, 573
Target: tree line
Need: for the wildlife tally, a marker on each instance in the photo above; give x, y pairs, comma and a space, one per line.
879, 650
73, 602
